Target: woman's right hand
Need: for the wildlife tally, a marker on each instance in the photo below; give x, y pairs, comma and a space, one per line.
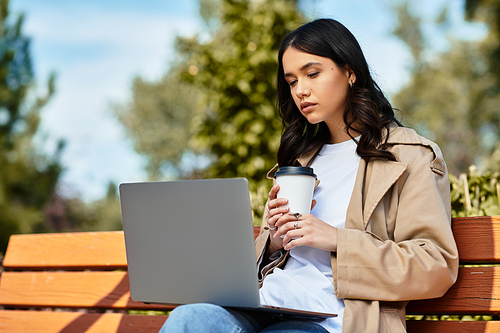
276, 209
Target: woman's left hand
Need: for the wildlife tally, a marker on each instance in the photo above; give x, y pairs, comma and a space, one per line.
311, 231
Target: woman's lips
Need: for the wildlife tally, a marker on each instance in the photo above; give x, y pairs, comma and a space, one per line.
307, 107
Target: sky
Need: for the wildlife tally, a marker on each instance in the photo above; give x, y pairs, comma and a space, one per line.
97, 47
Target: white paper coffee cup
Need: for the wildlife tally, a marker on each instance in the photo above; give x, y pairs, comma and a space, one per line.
296, 185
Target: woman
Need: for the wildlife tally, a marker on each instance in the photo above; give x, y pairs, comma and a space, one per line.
379, 231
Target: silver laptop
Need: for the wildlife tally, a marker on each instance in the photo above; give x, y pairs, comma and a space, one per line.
192, 241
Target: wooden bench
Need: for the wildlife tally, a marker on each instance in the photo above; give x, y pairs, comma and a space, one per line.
77, 282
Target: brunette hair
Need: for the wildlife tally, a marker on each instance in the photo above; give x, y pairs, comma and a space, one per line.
369, 109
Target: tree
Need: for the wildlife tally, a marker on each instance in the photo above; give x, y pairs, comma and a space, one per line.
230, 114
27, 177
452, 96
161, 120
488, 12
71, 213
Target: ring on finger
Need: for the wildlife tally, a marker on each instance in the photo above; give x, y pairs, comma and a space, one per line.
296, 222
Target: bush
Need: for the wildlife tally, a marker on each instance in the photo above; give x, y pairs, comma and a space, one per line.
475, 194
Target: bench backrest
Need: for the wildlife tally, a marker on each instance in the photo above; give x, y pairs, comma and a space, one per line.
88, 271
477, 290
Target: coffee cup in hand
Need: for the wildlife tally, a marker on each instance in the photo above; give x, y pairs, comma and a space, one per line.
296, 185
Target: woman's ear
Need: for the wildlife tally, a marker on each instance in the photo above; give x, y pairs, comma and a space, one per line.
351, 74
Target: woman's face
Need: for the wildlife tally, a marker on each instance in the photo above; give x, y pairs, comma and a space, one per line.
318, 87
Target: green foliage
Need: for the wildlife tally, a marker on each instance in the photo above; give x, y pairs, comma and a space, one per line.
72, 214
488, 13
452, 96
451, 318
406, 30
104, 214
27, 178
148, 312
161, 118
218, 99
236, 70
475, 193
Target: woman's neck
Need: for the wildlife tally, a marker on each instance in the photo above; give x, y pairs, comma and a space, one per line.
338, 131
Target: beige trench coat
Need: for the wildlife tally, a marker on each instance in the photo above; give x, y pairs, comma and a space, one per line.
397, 243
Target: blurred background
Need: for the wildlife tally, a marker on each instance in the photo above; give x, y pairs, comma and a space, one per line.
96, 93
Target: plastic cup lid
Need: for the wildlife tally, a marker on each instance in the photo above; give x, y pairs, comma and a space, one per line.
294, 170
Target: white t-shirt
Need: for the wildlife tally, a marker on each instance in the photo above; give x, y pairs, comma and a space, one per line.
306, 281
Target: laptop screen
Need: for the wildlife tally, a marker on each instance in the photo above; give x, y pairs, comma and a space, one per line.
190, 241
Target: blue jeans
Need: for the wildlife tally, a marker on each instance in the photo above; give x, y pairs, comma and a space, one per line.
196, 318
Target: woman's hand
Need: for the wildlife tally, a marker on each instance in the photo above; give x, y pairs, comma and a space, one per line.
276, 210
305, 229
311, 230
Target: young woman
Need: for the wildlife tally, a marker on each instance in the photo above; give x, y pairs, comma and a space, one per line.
379, 231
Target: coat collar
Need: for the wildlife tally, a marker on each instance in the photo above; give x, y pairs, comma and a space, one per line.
402, 135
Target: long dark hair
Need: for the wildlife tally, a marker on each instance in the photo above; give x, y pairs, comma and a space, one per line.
369, 109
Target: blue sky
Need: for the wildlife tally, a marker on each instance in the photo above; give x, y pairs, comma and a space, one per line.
96, 48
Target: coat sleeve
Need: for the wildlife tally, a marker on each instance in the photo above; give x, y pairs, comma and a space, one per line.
278, 258
262, 239
421, 261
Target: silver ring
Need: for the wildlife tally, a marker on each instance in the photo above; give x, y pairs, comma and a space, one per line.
296, 223
274, 228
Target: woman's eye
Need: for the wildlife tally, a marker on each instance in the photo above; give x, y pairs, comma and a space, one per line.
291, 83
313, 74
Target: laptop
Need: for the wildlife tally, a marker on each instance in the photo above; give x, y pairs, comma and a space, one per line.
191, 241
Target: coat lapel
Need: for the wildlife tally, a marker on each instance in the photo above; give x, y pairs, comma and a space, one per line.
380, 175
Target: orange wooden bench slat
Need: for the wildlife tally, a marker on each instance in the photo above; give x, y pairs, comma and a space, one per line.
419, 326
13, 321
477, 291
79, 250
69, 251
69, 289
478, 238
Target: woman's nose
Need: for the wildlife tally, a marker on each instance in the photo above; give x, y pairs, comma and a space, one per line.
302, 90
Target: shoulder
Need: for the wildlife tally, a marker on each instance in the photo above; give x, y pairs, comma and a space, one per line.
410, 147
